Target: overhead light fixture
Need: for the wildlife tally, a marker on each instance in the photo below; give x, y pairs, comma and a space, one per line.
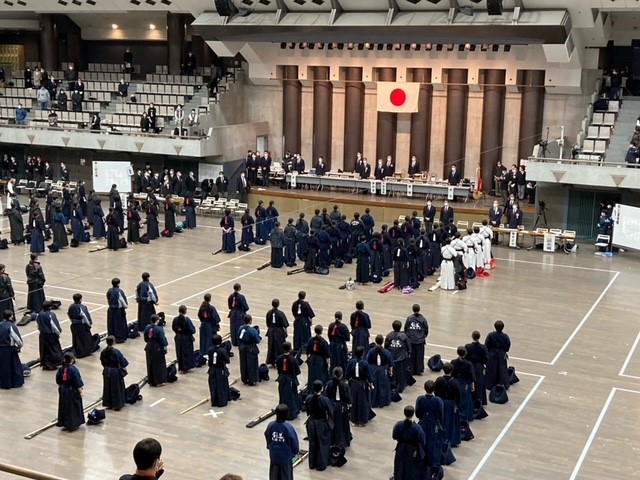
484, 47
89, 2
368, 46
9, 3
152, 26
467, 10
248, 2
264, 2
361, 46
507, 48
135, 2
283, 45
428, 47
151, 2
350, 46
24, 4
75, 2
397, 46
165, 2
415, 2
415, 46
439, 47
114, 26
389, 46
450, 47
311, 45
340, 46
291, 45
461, 47
304, 45
63, 3
495, 48
435, 2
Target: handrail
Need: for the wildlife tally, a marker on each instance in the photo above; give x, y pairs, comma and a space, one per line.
577, 161
27, 473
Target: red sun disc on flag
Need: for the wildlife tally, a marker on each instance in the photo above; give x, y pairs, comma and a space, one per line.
397, 97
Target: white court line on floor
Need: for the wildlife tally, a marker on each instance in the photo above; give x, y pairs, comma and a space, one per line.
506, 428
157, 402
510, 356
556, 265
177, 303
584, 319
46, 286
594, 431
63, 321
629, 356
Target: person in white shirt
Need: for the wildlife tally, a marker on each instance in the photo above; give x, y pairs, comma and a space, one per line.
193, 120
178, 117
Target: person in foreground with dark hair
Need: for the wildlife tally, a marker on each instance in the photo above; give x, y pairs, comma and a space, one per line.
146, 455
283, 445
408, 461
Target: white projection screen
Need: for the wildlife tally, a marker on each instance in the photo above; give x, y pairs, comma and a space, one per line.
106, 174
626, 226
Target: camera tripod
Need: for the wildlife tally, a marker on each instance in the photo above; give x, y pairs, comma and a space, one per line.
541, 218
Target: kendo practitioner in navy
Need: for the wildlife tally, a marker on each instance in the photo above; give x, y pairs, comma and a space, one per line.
447, 388
290, 234
498, 344
334, 236
317, 350
113, 236
282, 443
277, 325
400, 265
417, 330
6, 292
478, 355
114, 366
316, 221
59, 229
464, 373
358, 375
98, 221
408, 462
375, 247
277, 246
360, 324
387, 250
153, 231
414, 259
396, 234
228, 232
335, 214
416, 224
303, 315
319, 427
169, 215
249, 338
77, 227
288, 370
70, 392
430, 413
185, 330
81, 338
357, 229
424, 255
155, 352
324, 248
117, 312
381, 367
369, 223
11, 371
218, 372
313, 247
398, 344
37, 232
35, 284
246, 237
238, 307
262, 234
49, 341
339, 337
209, 323
189, 212
302, 229
147, 299
406, 229
339, 394
133, 224
363, 261
272, 216
344, 229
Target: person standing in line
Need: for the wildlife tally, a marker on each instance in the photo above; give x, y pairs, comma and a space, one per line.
70, 392
397, 343
49, 340
209, 323
339, 337
249, 338
228, 232
430, 413
417, 330
7, 295
35, 284
288, 371
114, 369
117, 312
498, 344
147, 298
155, 352
409, 456
277, 325
319, 427
238, 307
339, 394
360, 325
11, 370
185, 330
303, 316
478, 355
218, 359
83, 342
359, 378
283, 445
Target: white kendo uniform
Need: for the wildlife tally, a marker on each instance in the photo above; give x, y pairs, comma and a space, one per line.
487, 234
470, 258
447, 272
478, 241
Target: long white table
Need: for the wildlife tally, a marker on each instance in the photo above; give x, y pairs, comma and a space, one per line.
406, 187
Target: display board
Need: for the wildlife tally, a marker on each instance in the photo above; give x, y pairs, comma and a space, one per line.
626, 226
106, 174
208, 170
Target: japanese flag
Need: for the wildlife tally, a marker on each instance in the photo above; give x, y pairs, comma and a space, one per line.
398, 97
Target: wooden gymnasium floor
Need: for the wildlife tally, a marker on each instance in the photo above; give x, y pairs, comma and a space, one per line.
571, 318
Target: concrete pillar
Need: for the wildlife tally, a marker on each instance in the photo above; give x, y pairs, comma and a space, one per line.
48, 43
492, 125
387, 122
532, 109
353, 116
421, 120
292, 110
322, 112
456, 123
175, 41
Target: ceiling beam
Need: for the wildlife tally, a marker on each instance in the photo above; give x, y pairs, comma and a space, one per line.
336, 11
281, 11
454, 8
517, 11
392, 12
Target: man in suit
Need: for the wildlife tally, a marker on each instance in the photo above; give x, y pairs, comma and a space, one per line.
366, 170
446, 213
299, 164
265, 167
429, 214
495, 217
414, 167
320, 166
454, 176
389, 167
497, 174
243, 187
379, 171
359, 163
